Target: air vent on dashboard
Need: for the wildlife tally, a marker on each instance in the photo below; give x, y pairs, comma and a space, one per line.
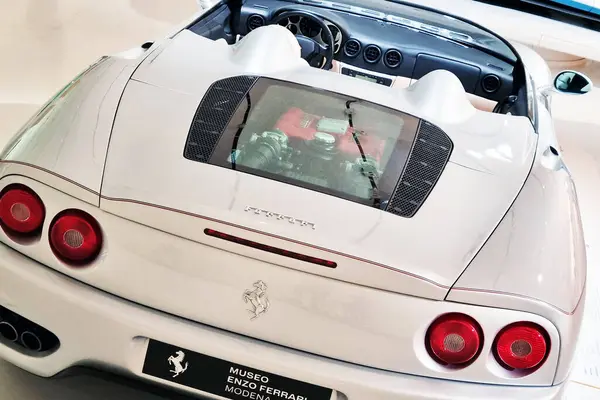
392, 58
352, 48
491, 83
255, 21
372, 54
428, 158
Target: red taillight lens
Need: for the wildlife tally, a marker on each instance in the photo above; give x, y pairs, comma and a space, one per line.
21, 210
75, 237
521, 346
454, 339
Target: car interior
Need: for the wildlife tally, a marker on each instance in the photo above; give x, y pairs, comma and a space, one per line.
393, 45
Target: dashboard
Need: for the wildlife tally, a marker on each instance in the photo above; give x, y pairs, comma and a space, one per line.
380, 47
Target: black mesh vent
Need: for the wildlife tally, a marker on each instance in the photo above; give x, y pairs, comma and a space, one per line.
491, 83
427, 161
255, 21
372, 54
352, 48
213, 115
393, 58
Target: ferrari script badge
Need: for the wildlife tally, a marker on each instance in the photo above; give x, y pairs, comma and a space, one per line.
258, 300
280, 217
177, 362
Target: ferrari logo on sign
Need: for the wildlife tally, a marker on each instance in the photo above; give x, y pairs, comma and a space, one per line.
258, 300
177, 362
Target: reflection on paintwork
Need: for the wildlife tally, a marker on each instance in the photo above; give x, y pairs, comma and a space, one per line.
48, 111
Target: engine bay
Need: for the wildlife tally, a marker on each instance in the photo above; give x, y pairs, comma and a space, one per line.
318, 150
326, 142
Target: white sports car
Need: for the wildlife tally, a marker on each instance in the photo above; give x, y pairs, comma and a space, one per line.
300, 200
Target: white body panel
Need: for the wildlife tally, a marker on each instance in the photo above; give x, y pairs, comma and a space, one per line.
69, 136
388, 327
534, 252
536, 258
113, 333
66, 142
492, 157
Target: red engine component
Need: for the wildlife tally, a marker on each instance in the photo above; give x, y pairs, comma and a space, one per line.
298, 124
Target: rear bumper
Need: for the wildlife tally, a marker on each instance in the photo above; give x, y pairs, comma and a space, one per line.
104, 331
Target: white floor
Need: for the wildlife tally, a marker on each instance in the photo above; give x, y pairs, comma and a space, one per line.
43, 43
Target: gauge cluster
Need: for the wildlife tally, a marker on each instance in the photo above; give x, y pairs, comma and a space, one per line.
304, 26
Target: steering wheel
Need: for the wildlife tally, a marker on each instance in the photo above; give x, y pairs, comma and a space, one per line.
312, 51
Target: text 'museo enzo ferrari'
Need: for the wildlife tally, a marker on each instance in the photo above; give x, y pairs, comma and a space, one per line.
226, 379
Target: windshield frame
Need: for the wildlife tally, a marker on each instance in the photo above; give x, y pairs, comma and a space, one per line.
471, 42
389, 16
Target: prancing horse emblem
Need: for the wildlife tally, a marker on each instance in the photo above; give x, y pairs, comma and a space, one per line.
258, 299
176, 361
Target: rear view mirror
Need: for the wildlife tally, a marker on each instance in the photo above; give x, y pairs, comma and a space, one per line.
572, 82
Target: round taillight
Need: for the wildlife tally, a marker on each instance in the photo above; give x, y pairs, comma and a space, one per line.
454, 339
75, 237
21, 210
521, 346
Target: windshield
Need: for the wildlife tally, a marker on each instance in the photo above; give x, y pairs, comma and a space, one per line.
437, 23
318, 140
